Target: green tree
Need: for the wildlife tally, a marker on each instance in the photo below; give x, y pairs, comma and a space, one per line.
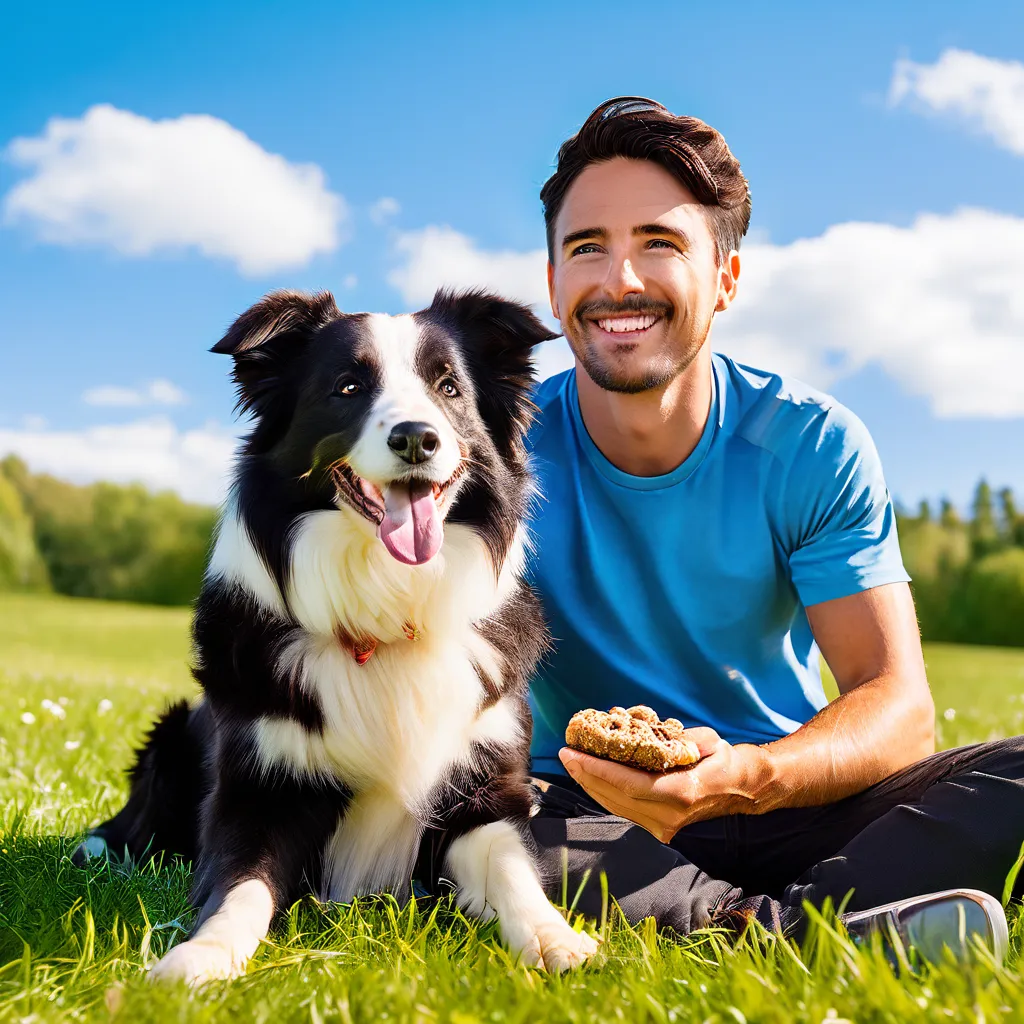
937, 558
948, 515
21, 567
993, 599
1012, 524
117, 542
984, 530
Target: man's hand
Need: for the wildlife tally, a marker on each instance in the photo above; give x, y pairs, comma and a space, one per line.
725, 781
882, 721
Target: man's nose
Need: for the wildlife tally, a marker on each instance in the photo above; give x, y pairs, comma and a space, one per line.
622, 280
414, 442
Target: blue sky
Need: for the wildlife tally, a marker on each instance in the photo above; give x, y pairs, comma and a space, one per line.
884, 144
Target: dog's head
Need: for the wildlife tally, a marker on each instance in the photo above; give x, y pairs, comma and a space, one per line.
402, 422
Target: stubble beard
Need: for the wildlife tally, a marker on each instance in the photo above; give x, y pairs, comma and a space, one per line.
659, 370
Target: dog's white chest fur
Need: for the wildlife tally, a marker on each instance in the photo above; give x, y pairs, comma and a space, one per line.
395, 724
398, 725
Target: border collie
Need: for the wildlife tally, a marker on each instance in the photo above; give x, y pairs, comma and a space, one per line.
363, 638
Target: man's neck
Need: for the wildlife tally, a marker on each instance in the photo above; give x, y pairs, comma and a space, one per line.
653, 432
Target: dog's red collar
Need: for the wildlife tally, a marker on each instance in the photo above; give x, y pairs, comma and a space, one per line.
363, 651
363, 648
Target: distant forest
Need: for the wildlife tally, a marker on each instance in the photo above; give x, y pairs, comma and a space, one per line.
125, 543
968, 573
122, 543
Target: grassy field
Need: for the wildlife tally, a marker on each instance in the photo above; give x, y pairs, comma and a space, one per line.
80, 681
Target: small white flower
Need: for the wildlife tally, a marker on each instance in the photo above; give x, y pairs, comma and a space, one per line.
104, 706
28, 718
72, 744
55, 709
949, 714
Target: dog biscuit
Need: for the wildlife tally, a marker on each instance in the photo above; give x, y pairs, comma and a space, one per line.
632, 736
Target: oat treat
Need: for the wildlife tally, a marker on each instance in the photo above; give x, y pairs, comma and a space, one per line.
632, 736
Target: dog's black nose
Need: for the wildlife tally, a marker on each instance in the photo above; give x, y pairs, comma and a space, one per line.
414, 442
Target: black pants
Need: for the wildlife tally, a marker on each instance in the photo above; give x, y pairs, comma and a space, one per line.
953, 820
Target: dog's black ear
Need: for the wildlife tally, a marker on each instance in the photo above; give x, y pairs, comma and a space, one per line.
497, 339
265, 335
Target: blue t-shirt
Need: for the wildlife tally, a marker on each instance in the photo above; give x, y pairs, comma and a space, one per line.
688, 591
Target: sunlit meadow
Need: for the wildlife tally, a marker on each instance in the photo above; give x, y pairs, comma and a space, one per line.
79, 683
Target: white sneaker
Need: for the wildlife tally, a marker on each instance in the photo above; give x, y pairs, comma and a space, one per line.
955, 919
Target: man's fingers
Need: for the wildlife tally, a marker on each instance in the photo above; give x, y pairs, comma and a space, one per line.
707, 740
609, 781
574, 759
648, 814
606, 795
630, 781
618, 803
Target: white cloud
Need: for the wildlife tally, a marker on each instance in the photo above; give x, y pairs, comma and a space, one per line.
111, 394
195, 463
115, 178
441, 256
156, 392
985, 93
384, 209
938, 305
436, 256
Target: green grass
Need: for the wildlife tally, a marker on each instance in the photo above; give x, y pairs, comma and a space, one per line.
74, 943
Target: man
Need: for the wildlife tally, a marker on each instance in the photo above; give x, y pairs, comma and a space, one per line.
705, 529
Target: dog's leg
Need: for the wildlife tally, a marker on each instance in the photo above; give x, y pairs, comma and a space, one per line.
262, 848
231, 927
495, 875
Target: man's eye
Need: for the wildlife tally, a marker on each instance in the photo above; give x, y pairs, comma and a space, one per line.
347, 387
661, 243
448, 388
585, 250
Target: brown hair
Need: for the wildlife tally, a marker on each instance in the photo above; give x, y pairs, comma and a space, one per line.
691, 151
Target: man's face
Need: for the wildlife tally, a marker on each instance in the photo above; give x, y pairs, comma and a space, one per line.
635, 279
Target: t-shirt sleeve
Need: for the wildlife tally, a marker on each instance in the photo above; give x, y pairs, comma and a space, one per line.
841, 518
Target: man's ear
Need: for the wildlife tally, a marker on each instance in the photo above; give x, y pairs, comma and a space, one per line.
728, 276
497, 338
263, 338
552, 297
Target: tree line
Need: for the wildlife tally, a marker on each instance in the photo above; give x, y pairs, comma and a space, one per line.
968, 572
105, 540
125, 543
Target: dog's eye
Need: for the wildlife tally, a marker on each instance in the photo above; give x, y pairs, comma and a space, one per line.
347, 387
448, 388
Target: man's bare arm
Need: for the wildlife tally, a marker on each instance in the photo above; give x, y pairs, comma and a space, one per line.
883, 720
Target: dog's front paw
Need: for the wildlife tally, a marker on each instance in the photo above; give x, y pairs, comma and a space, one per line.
554, 946
195, 962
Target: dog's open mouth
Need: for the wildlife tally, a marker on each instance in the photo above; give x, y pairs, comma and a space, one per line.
407, 513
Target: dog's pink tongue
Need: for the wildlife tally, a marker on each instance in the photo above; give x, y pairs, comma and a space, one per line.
411, 529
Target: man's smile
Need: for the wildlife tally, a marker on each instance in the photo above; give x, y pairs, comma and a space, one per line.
623, 330
631, 325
